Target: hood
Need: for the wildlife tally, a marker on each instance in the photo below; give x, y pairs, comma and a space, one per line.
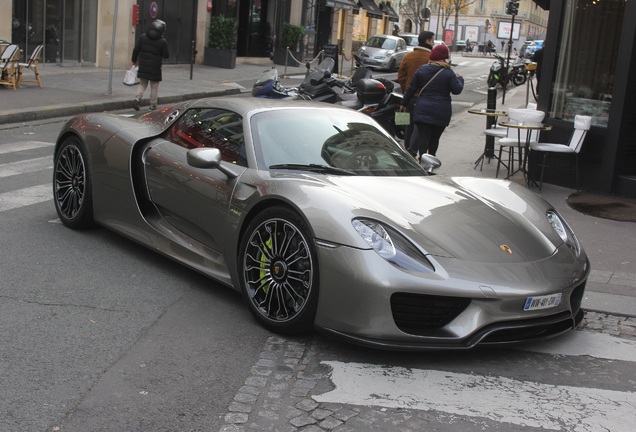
479, 220
154, 34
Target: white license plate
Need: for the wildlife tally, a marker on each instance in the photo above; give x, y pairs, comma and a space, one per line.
542, 302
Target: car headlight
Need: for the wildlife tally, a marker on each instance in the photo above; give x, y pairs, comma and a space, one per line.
392, 246
564, 231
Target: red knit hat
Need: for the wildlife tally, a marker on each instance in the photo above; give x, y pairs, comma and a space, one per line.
440, 52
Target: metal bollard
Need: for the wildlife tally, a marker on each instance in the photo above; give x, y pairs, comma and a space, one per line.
491, 121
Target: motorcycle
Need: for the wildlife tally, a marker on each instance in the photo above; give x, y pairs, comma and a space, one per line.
268, 85
518, 72
515, 73
374, 97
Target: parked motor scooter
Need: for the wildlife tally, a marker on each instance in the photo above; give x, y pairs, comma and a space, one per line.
269, 86
373, 97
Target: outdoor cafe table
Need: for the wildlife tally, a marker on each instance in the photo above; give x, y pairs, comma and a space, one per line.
528, 127
489, 147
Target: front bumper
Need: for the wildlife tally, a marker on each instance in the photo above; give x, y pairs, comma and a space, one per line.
359, 291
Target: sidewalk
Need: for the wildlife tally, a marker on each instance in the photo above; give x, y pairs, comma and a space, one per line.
74, 90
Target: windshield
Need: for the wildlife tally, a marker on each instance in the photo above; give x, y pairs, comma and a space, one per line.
411, 40
314, 138
384, 43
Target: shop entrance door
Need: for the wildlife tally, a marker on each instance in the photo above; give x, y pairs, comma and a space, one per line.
180, 18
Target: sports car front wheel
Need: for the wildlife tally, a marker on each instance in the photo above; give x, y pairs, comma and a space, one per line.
72, 186
279, 271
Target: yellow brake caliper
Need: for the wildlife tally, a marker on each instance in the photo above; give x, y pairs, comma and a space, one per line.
264, 261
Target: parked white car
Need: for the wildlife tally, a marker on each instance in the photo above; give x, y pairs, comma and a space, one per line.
383, 52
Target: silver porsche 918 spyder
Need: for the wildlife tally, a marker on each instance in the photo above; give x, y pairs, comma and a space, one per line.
322, 221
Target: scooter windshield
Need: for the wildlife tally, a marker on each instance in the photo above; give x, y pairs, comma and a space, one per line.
268, 75
318, 74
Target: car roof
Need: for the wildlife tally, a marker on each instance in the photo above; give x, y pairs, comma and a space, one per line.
386, 36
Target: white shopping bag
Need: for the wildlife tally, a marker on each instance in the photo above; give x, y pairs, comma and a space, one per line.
130, 79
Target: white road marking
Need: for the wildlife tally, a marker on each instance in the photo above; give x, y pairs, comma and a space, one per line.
581, 343
26, 166
524, 403
24, 197
20, 146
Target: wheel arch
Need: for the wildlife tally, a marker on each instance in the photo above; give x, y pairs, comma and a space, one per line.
251, 214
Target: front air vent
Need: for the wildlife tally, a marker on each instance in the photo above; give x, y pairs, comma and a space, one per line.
420, 314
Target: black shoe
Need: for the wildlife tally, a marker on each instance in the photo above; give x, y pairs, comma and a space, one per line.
136, 104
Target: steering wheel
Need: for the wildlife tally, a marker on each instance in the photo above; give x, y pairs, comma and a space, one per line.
362, 159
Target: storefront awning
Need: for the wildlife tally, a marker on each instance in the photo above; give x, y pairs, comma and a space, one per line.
342, 4
389, 11
373, 11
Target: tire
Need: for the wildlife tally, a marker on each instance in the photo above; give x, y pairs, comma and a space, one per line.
72, 191
392, 66
278, 271
518, 79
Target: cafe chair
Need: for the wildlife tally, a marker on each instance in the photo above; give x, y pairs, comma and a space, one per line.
515, 139
500, 131
8, 65
573, 147
31, 64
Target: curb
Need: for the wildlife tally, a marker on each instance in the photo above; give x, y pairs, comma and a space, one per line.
65, 110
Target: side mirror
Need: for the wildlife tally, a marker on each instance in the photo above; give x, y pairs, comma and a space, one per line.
205, 157
430, 163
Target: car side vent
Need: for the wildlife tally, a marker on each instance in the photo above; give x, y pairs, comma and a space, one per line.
419, 314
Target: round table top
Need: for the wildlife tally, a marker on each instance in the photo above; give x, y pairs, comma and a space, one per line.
488, 112
534, 126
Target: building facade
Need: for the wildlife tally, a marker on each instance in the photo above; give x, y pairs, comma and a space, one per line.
480, 21
86, 32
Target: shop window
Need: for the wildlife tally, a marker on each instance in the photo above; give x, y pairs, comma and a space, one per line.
586, 60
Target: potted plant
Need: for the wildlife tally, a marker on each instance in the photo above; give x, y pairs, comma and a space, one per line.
221, 49
290, 39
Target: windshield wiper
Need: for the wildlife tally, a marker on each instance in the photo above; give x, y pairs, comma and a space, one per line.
325, 169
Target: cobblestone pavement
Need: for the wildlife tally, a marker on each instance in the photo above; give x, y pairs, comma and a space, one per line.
277, 395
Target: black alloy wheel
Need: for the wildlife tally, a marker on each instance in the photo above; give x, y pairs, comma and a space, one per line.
72, 192
279, 271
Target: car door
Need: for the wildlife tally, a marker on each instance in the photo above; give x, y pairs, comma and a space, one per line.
195, 201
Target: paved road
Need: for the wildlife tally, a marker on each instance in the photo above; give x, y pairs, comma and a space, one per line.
99, 334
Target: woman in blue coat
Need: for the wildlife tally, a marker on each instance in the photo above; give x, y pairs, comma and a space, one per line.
432, 111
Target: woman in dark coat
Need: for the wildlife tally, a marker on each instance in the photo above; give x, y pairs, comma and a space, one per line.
150, 50
432, 111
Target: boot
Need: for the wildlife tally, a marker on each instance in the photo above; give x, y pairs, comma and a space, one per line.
136, 103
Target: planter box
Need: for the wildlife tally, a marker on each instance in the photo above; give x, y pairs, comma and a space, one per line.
219, 58
280, 56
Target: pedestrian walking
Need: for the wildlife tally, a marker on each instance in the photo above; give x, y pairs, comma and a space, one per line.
150, 50
411, 62
431, 87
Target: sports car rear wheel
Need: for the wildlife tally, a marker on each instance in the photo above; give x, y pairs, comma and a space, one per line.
72, 186
279, 271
